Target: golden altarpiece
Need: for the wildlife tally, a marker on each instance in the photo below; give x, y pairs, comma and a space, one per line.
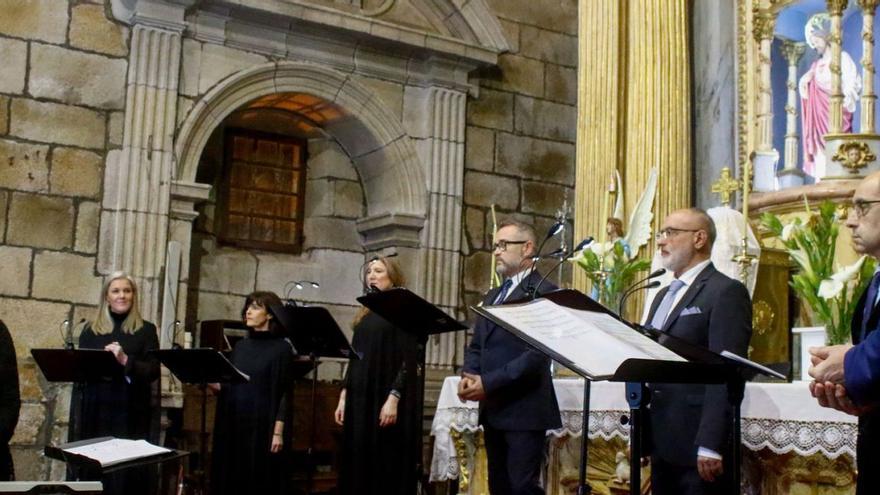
635, 114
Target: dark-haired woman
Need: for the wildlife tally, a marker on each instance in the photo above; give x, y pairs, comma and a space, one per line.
125, 407
377, 407
252, 428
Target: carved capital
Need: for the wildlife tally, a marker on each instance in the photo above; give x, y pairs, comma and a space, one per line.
793, 50
764, 24
391, 230
836, 7
854, 155
868, 6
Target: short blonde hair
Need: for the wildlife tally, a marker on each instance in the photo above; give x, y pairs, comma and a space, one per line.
102, 323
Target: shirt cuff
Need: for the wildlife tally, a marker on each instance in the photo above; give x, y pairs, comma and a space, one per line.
704, 452
394, 393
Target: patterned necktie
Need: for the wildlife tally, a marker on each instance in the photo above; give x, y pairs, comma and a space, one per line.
870, 299
505, 287
666, 304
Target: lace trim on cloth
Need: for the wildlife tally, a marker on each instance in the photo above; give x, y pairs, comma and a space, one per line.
805, 438
802, 437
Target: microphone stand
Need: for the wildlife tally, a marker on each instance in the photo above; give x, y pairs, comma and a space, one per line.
555, 229
638, 286
563, 255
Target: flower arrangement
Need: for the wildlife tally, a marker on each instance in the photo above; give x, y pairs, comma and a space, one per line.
830, 291
610, 279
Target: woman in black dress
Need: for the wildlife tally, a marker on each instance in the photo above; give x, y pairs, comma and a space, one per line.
252, 428
125, 407
377, 406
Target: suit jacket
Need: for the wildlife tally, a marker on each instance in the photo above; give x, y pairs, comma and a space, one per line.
862, 362
516, 378
861, 370
684, 417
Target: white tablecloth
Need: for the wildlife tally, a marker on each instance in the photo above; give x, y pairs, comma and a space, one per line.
780, 416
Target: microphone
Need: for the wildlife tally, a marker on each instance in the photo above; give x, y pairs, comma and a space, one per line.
563, 255
555, 229
636, 286
364, 285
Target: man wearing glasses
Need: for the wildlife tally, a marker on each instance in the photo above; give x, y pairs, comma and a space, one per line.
847, 377
691, 424
511, 381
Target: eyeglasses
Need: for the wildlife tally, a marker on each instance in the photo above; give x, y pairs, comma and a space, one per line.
501, 244
671, 232
861, 207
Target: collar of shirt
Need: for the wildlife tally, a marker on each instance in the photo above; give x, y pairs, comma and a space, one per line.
689, 276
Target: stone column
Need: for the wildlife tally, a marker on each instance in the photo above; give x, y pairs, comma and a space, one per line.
764, 22
792, 52
869, 99
137, 197
441, 145
835, 9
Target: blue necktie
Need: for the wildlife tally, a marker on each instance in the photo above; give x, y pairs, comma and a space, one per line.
505, 287
666, 305
870, 299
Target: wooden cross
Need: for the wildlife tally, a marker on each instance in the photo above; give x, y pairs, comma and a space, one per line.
725, 186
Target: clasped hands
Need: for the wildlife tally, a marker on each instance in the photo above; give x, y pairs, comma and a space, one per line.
471, 387
828, 374
118, 352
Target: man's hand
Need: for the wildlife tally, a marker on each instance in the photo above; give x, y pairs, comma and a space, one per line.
709, 468
827, 363
834, 396
471, 387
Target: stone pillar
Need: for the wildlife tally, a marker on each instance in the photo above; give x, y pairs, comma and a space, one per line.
792, 52
138, 194
869, 99
764, 22
835, 10
435, 118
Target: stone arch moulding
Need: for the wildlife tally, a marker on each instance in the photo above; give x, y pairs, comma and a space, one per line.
386, 160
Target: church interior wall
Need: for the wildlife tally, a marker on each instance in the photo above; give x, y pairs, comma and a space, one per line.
62, 102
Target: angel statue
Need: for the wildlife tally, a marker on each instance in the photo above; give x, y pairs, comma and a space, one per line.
612, 265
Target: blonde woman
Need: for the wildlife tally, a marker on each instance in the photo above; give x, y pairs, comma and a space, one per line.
121, 408
377, 406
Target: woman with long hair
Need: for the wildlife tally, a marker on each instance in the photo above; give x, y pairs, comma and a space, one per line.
124, 407
253, 424
377, 406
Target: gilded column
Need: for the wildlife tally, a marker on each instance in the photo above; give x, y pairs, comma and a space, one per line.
869, 99
600, 85
835, 10
792, 52
762, 31
634, 105
138, 192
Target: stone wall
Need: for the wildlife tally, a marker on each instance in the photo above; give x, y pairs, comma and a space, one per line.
62, 92
221, 276
520, 151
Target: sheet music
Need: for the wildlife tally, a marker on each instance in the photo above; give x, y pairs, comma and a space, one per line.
117, 450
594, 342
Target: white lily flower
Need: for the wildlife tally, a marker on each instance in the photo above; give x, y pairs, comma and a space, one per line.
831, 287
789, 230
802, 260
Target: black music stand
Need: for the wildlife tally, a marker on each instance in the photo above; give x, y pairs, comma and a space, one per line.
315, 334
78, 366
89, 465
200, 367
702, 366
418, 317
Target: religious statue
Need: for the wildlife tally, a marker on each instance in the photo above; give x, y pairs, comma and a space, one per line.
815, 92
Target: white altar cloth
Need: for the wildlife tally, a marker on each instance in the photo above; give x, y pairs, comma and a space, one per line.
783, 417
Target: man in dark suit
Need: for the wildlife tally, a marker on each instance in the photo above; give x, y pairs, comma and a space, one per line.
692, 424
847, 377
10, 401
511, 380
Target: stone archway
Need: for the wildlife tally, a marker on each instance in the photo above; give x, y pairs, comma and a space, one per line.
393, 180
